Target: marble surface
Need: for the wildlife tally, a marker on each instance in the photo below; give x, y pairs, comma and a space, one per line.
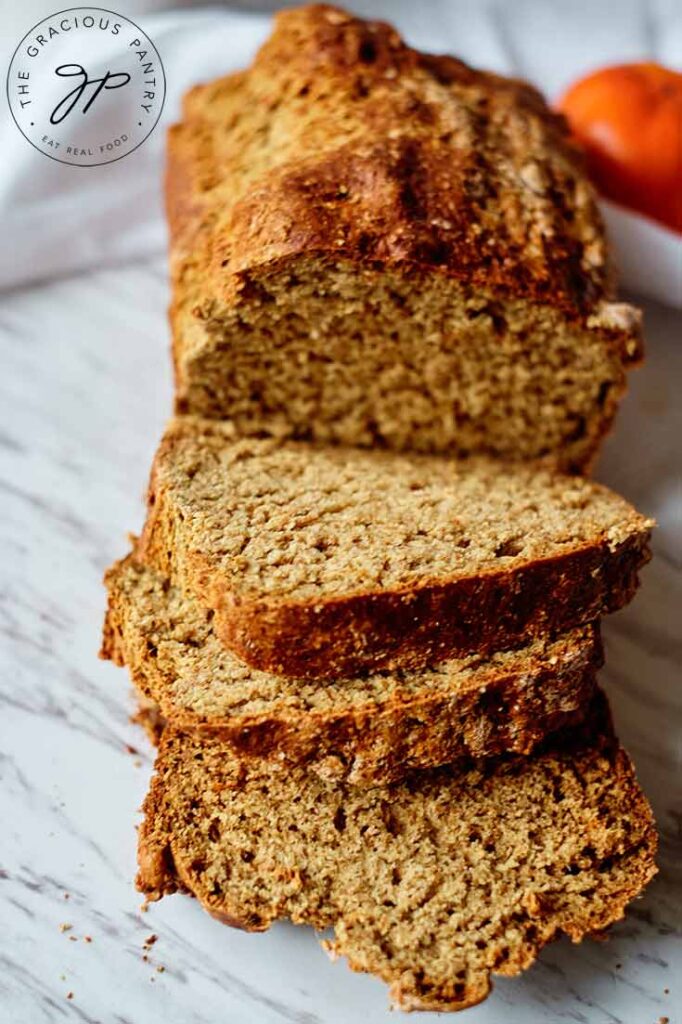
84, 391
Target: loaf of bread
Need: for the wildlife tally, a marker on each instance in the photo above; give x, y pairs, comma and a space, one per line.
325, 561
368, 730
362, 618
380, 247
433, 884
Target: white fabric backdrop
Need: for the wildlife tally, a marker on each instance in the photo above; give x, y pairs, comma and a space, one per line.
56, 219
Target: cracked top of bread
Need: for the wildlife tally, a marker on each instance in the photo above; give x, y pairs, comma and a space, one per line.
402, 156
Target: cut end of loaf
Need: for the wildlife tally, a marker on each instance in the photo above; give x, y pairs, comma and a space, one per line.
435, 277
403, 361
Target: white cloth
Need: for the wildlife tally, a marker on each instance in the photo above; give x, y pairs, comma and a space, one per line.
57, 219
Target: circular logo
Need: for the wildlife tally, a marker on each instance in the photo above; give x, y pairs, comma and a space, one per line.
86, 86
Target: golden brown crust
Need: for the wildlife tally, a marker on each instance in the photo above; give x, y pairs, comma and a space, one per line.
448, 164
417, 627
494, 710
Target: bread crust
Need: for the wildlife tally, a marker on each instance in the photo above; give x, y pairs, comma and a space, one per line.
417, 627
496, 710
440, 220
413, 627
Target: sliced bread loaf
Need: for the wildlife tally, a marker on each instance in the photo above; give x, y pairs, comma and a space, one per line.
375, 246
368, 730
433, 884
328, 562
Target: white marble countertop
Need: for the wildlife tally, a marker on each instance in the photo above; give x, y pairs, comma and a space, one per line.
84, 391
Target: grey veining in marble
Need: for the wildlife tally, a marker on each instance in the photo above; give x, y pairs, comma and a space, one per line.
84, 390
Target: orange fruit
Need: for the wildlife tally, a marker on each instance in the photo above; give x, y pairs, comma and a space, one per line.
628, 120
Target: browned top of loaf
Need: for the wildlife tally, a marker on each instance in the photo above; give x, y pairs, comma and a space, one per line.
434, 884
342, 140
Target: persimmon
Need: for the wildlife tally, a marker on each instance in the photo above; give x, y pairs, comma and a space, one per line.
628, 119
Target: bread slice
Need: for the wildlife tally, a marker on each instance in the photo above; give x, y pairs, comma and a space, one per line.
433, 884
379, 247
369, 730
328, 562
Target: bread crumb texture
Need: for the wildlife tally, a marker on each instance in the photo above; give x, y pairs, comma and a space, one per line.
433, 884
379, 247
326, 561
